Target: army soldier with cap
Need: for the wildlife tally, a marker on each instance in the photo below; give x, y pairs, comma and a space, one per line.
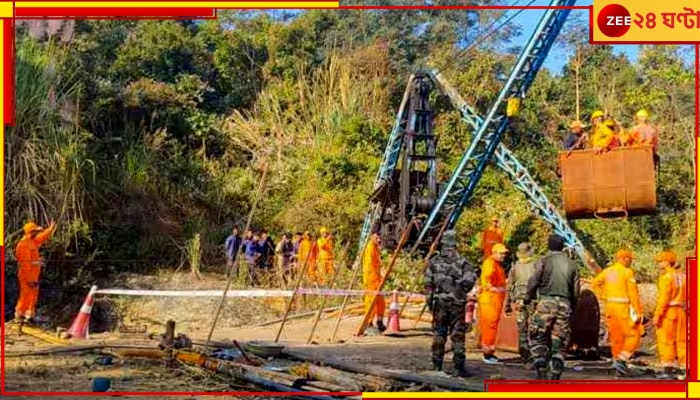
448, 279
556, 278
518, 277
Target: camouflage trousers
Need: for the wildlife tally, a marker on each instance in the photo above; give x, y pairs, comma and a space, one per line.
448, 319
522, 318
549, 332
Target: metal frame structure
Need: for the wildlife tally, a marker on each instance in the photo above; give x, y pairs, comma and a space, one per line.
486, 143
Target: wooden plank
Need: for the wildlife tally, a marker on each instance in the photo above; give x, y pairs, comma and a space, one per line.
399, 375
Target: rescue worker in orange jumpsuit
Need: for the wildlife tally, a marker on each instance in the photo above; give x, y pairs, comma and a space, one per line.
326, 259
371, 278
491, 300
645, 134
670, 316
491, 236
307, 256
623, 309
602, 137
30, 263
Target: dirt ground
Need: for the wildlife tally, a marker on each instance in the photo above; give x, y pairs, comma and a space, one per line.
238, 321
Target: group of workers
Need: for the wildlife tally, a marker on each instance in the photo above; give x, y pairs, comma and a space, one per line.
607, 134
544, 293
262, 254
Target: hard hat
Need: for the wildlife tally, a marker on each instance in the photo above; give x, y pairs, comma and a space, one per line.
624, 254
30, 227
449, 238
576, 124
642, 114
323, 230
666, 256
499, 248
597, 114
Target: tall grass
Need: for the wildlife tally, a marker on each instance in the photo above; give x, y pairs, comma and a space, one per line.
47, 164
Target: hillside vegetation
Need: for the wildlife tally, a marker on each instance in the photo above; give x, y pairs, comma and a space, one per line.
140, 136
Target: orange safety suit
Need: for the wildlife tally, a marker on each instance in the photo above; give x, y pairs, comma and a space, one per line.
372, 277
670, 318
490, 237
645, 135
30, 263
491, 300
307, 250
602, 137
326, 259
617, 286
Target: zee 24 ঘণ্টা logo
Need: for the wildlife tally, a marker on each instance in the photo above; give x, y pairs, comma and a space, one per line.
614, 20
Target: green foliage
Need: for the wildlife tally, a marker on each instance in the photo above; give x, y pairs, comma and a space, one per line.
147, 140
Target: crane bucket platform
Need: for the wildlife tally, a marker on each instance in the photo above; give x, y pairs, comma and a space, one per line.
615, 183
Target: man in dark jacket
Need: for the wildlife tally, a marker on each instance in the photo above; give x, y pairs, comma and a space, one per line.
448, 279
556, 279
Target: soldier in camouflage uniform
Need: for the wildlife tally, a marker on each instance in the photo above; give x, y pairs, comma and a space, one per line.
556, 279
518, 277
448, 279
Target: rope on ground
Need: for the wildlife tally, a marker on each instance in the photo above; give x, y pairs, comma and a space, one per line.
238, 256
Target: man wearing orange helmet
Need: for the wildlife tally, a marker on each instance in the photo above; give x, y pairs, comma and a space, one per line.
623, 309
30, 263
670, 315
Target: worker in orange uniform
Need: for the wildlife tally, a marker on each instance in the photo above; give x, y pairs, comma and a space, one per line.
372, 277
623, 309
492, 235
670, 315
645, 134
491, 300
30, 263
326, 259
307, 257
603, 136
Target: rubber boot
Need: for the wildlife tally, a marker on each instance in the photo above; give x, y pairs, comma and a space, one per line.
460, 371
557, 367
380, 326
541, 374
437, 365
621, 367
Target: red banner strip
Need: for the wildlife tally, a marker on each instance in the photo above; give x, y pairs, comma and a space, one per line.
113, 12
8, 56
692, 359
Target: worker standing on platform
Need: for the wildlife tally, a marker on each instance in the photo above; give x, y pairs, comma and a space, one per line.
372, 278
623, 309
518, 278
326, 259
602, 136
645, 134
492, 235
670, 315
556, 285
30, 265
491, 299
574, 140
448, 279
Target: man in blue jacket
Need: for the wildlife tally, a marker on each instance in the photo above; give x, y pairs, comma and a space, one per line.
232, 245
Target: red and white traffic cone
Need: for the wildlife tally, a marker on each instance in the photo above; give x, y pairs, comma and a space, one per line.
81, 323
393, 324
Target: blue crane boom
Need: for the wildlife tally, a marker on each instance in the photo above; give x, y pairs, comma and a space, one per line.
515, 170
469, 171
